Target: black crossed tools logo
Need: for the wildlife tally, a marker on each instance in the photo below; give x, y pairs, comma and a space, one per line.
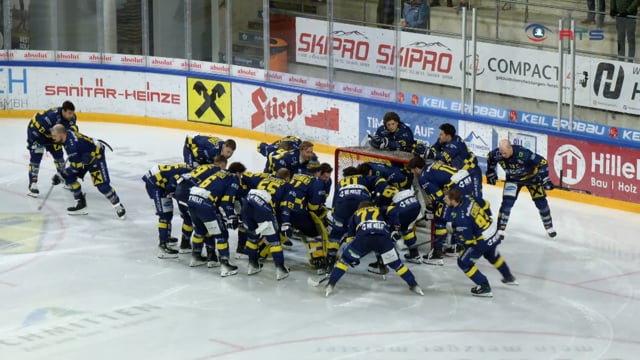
209, 99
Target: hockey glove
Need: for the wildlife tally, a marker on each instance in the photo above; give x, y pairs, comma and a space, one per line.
384, 143
492, 177
285, 229
232, 222
547, 184
396, 236
419, 148
56, 179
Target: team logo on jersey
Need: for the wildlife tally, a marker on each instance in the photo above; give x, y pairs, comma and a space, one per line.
209, 101
96, 177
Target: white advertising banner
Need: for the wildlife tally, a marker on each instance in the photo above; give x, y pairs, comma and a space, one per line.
371, 50
101, 91
313, 118
608, 85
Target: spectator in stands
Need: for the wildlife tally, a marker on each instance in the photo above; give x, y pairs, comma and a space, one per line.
625, 26
591, 15
415, 16
386, 13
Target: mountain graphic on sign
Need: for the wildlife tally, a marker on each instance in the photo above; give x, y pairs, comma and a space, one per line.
422, 44
348, 33
472, 137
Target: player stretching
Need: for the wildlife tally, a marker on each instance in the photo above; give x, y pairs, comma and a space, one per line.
86, 155
523, 168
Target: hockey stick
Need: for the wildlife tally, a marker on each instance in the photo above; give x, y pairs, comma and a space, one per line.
316, 283
555, 187
106, 144
51, 188
564, 188
46, 197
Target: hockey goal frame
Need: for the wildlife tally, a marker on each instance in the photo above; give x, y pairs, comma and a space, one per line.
367, 153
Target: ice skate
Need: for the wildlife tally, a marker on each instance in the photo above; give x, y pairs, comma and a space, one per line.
551, 233
166, 252
416, 289
434, 257
282, 272
80, 208
483, 290
197, 259
510, 280
33, 190
378, 267
413, 256
185, 246
212, 258
120, 211
227, 269
328, 290
254, 267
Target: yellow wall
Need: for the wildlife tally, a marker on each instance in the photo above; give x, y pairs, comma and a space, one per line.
259, 136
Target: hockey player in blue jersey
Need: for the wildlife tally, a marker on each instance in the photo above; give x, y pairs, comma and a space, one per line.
265, 213
86, 155
202, 149
160, 183
352, 189
306, 200
183, 186
399, 177
285, 144
393, 134
39, 140
296, 160
522, 168
370, 230
434, 177
452, 150
250, 180
211, 205
474, 229
409, 211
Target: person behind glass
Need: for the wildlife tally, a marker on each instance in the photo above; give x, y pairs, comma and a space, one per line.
621, 10
591, 15
393, 134
385, 13
415, 16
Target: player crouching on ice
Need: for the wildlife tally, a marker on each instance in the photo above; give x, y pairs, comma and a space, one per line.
369, 231
86, 155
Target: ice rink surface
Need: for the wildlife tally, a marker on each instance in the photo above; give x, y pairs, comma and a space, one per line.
91, 287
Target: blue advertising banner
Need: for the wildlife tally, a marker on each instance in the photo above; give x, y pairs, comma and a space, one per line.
533, 121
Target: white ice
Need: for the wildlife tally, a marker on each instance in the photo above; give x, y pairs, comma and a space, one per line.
91, 287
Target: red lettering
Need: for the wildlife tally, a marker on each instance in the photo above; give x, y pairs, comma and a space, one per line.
274, 109
565, 33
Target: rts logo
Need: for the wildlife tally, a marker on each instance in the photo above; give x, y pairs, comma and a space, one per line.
537, 32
